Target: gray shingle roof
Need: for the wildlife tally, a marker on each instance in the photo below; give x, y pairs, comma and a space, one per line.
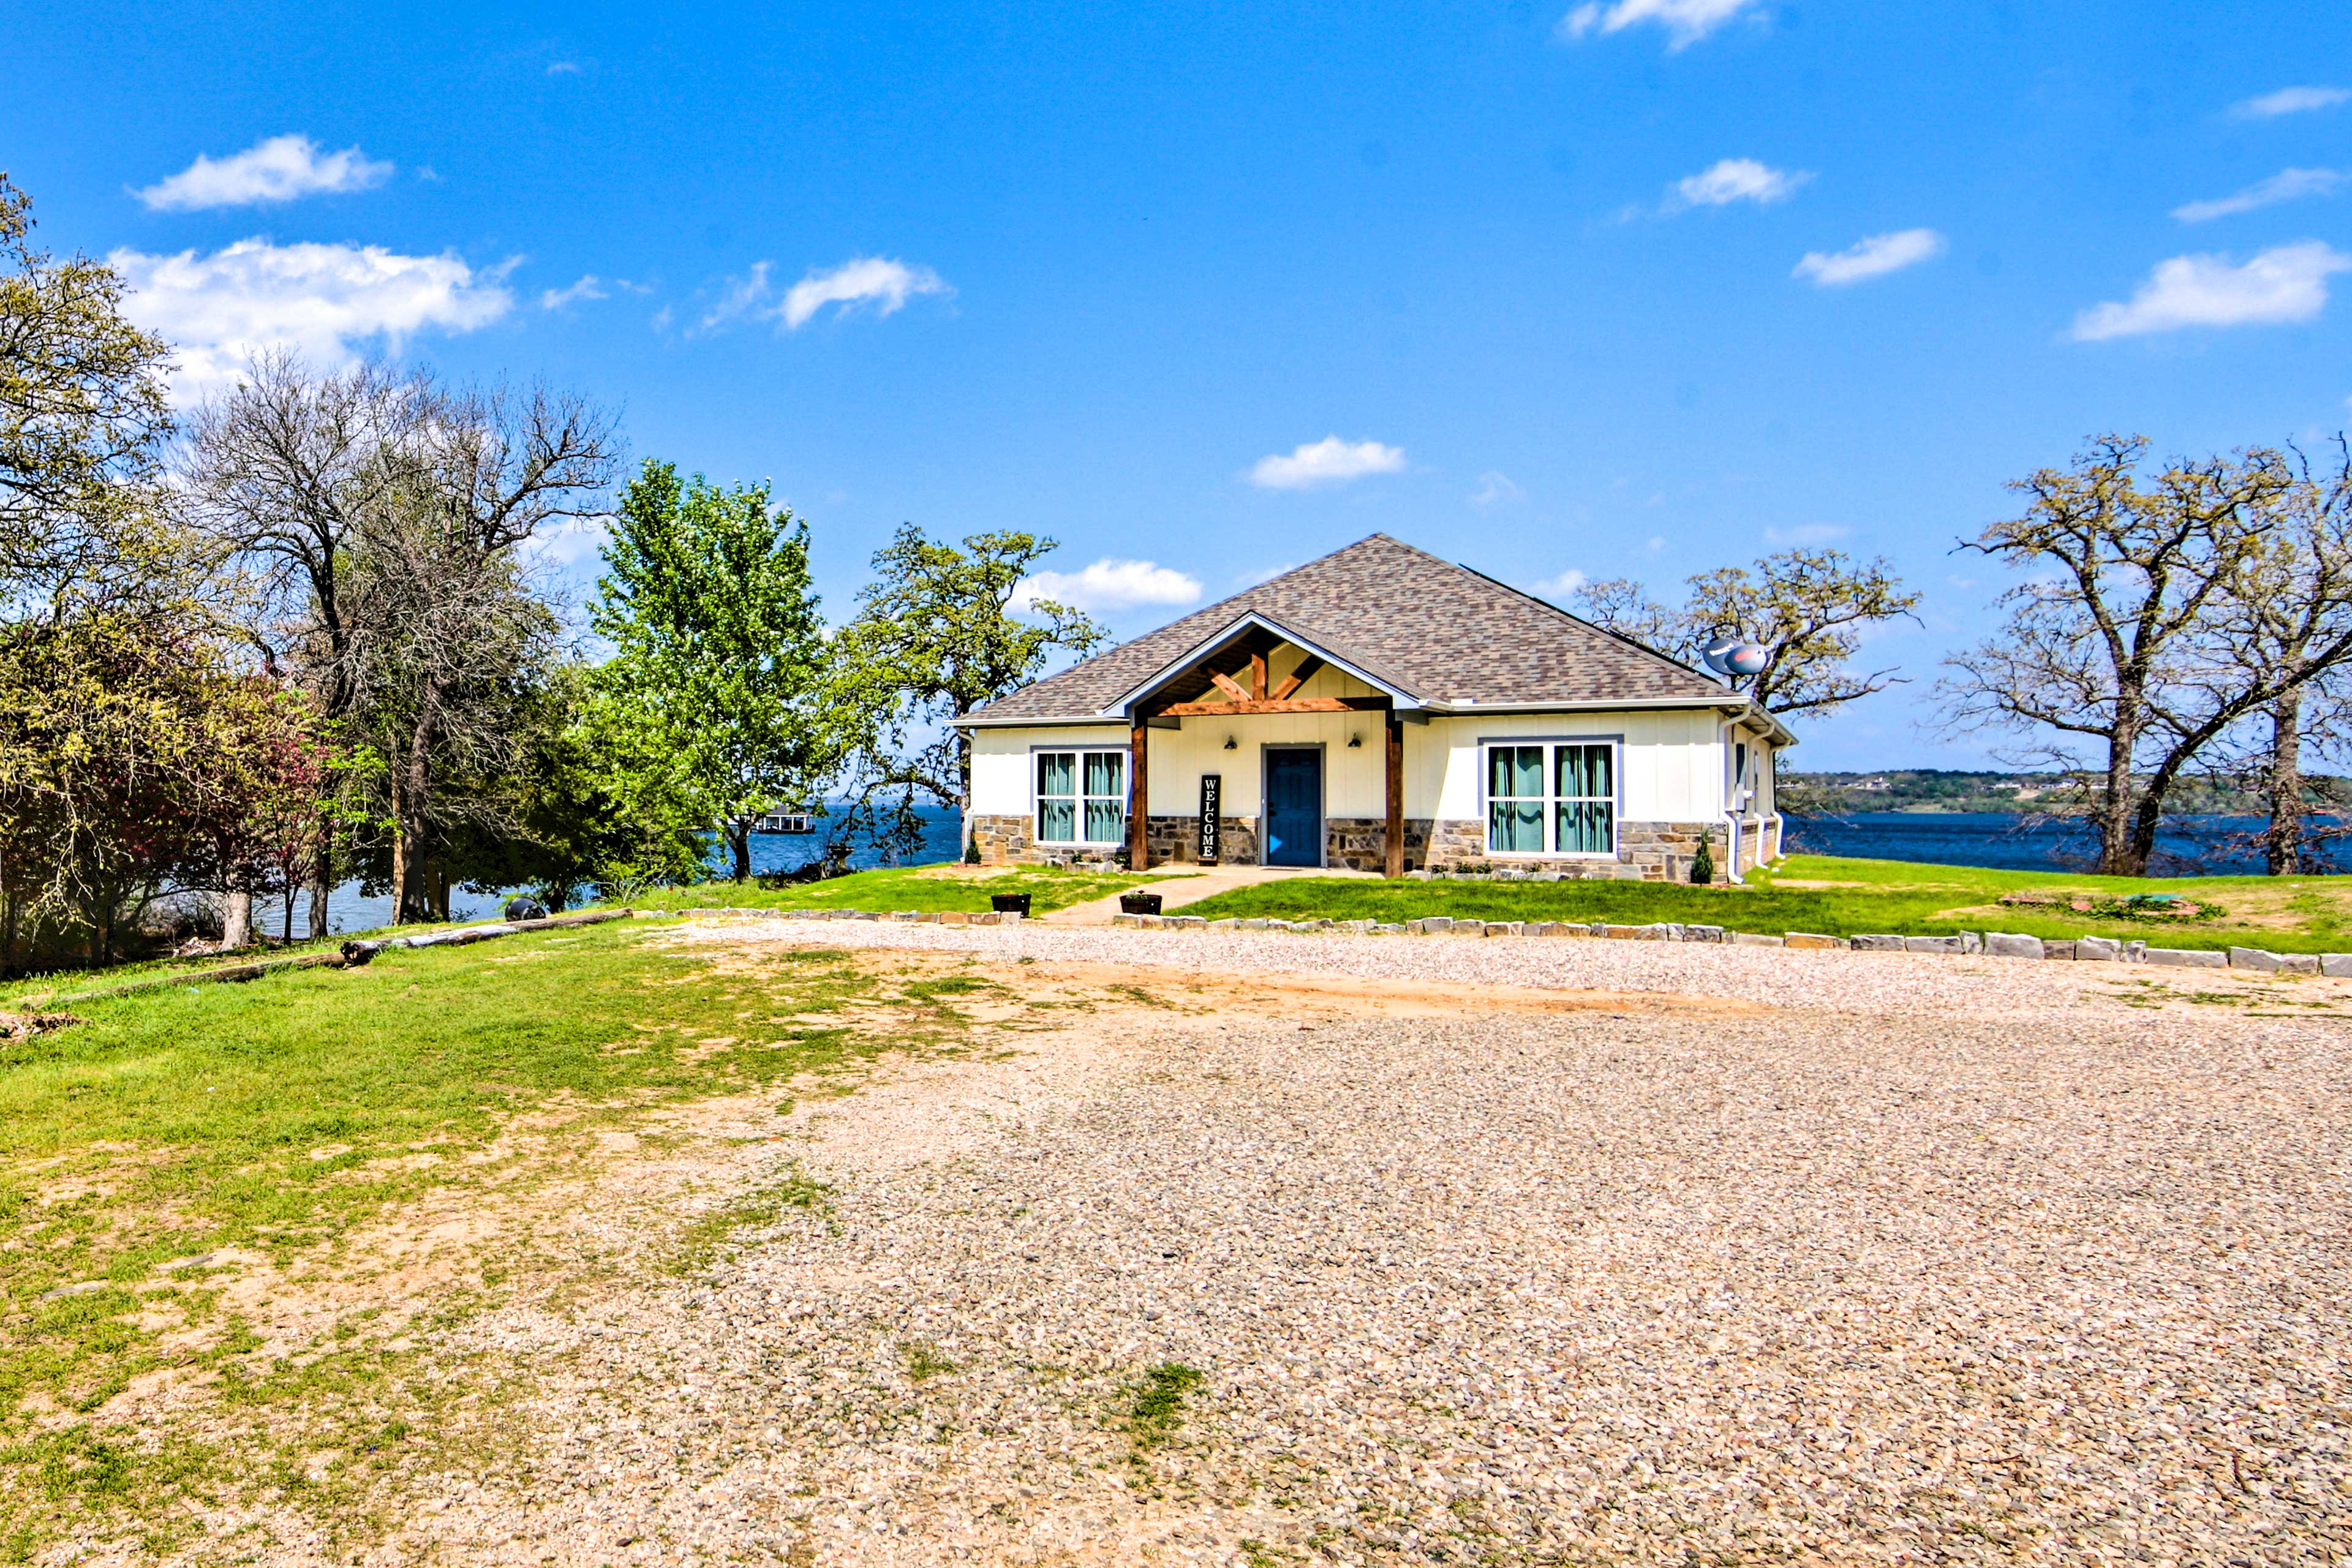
1441, 633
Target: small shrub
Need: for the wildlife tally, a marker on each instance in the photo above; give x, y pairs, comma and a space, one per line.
1702, 866
971, 848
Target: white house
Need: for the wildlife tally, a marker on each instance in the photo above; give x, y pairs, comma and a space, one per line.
1383, 710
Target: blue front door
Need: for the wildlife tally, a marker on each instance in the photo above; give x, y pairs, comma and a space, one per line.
1294, 808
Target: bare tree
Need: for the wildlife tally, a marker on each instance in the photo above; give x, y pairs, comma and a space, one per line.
2101, 652
1622, 605
281, 470
447, 641
2282, 627
384, 515
1808, 606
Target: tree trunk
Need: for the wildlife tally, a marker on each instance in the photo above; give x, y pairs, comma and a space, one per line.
440, 880
2114, 818
236, 921
408, 806
286, 929
2284, 784
322, 876
399, 862
738, 843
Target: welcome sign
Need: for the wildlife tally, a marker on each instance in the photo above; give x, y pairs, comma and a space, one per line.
1212, 812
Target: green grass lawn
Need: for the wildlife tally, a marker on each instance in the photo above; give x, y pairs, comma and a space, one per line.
276, 1116
921, 888
1849, 898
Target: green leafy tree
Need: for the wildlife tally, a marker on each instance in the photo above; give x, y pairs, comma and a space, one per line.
717, 693
83, 411
937, 637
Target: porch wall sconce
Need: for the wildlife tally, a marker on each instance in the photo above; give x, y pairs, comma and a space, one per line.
1232, 744
1354, 742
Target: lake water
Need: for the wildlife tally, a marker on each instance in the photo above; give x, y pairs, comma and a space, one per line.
2189, 844
350, 909
1940, 838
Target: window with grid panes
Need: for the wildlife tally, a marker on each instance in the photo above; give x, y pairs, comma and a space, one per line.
1556, 798
1081, 797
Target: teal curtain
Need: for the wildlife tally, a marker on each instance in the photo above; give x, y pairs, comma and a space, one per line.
1058, 822
1515, 797
1584, 815
1514, 826
1057, 787
1107, 773
1057, 772
1515, 772
1583, 828
1582, 774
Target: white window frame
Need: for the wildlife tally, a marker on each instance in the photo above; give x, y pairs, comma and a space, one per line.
1551, 802
1078, 799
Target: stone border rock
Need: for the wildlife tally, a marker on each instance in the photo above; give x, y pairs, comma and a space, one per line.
1991, 943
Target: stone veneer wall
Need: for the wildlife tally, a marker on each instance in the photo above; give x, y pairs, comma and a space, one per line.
1175, 840
1649, 851
1001, 838
1009, 841
1361, 843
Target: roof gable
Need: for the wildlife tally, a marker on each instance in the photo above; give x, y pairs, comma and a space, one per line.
1441, 634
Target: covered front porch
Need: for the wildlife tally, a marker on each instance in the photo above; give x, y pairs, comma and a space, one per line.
1291, 761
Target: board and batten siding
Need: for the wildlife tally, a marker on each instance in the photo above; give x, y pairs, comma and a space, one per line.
1004, 780
1670, 761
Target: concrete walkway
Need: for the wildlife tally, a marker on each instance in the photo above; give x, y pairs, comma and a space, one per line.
1179, 886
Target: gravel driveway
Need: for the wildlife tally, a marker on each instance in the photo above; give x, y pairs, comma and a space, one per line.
1928, 1260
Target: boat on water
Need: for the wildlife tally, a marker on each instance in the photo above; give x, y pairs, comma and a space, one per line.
785, 821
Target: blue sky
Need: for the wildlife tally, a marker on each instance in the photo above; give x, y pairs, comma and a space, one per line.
1639, 288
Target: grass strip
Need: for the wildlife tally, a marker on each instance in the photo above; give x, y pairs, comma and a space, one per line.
1841, 897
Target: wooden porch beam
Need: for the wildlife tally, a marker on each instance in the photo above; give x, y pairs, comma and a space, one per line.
1139, 805
1258, 677
1270, 705
1297, 677
1228, 685
1394, 858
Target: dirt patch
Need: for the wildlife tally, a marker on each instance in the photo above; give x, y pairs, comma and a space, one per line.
1034, 991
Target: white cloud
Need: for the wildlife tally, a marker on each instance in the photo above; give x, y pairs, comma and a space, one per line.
1734, 180
2285, 283
1563, 586
2286, 186
1686, 21
278, 170
878, 281
1494, 488
323, 300
886, 283
1108, 584
589, 287
1329, 461
573, 539
564, 68
1873, 258
2291, 100
1806, 533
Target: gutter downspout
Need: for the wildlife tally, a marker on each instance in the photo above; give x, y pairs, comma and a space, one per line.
1731, 809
